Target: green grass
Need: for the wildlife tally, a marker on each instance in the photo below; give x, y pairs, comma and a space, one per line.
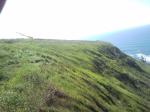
70, 76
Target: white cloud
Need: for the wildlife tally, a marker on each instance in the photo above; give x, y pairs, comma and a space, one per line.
70, 19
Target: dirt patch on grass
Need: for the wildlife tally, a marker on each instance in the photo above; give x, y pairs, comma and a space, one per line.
54, 98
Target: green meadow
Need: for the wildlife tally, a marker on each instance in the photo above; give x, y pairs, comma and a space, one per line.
71, 76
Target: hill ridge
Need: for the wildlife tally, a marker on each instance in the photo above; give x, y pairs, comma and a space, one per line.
71, 76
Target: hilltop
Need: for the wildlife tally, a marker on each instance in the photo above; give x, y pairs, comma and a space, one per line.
71, 76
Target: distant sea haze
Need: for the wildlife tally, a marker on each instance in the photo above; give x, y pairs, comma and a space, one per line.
134, 42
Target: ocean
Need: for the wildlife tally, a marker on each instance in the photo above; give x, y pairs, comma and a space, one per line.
135, 47
134, 42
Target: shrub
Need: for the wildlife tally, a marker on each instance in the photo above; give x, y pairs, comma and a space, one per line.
10, 101
33, 78
3, 77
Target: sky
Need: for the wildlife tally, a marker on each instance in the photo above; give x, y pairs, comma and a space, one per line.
71, 19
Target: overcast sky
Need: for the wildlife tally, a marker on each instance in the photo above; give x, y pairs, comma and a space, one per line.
71, 19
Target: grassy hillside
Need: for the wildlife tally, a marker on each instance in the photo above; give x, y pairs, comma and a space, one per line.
70, 76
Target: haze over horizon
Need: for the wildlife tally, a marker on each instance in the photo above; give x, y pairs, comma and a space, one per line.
68, 19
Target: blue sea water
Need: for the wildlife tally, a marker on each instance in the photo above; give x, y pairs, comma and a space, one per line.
134, 42
132, 45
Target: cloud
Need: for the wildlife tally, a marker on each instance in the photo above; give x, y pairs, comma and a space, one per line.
70, 19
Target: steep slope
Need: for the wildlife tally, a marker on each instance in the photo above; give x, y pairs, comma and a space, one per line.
70, 76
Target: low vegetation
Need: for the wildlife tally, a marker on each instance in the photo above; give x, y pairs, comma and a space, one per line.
70, 76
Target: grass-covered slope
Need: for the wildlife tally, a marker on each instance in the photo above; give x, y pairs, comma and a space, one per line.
70, 76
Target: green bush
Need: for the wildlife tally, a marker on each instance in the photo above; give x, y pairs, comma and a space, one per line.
10, 101
33, 78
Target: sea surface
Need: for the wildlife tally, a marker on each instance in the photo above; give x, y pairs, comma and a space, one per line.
135, 47
134, 42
